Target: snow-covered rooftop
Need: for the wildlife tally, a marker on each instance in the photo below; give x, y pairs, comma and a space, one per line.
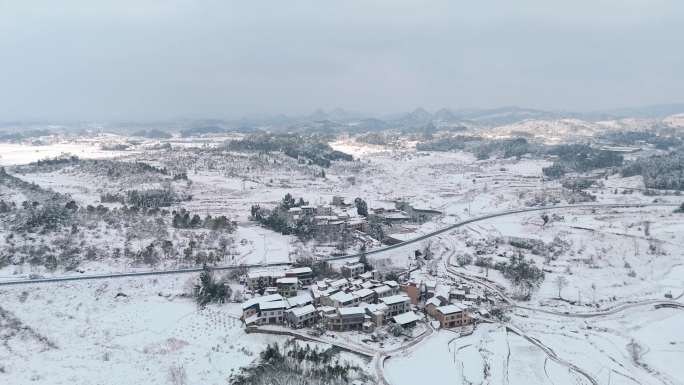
363, 293
266, 298
395, 299
287, 281
299, 270
299, 300
304, 310
273, 305
342, 297
405, 318
356, 310
450, 309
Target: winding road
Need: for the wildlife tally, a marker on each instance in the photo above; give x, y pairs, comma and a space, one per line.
348, 256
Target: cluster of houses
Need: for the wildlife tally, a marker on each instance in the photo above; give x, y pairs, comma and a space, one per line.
358, 301
341, 215
328, 219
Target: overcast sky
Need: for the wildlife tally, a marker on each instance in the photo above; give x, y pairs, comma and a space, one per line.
137, 59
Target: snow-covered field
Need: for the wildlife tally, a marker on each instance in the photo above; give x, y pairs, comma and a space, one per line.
11, 154
92, 332
122, 332
601, 349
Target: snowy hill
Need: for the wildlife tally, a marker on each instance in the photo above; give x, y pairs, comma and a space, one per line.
676, 121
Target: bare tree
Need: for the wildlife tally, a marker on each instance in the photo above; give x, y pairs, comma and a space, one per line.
177, 375
560, 282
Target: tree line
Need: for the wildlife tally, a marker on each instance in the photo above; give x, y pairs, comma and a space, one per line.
659, 171
296, 146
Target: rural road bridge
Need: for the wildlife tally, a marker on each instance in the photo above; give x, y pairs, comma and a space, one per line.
369, 252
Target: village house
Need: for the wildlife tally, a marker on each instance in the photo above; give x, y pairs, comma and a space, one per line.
262, 279
272, 312
358, 224
377, 313
342, 299
406, 320
300, 300
293, 215
432, 304
251, 306
270, 290
345, 319
322, 285
483, 313
457, 294
394, 286
370, 275
430, 286
303, 274
324, 296
301, 316
390, 216
287, 287
396, 304
443, 294
324, 210
338, 284
308, 210
328, 224
412, 290
364, 295
382, 291
352, 269
326, 311
472, 298
315, 294
450, 316
417, 214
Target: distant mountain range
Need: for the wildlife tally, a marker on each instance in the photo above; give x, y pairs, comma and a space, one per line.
491, 117
344, 120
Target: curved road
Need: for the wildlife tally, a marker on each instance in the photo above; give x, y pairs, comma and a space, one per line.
370, 252
551, 354
383, 356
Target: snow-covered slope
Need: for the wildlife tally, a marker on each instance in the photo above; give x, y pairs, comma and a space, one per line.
560, 130
550, 131
676, 121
